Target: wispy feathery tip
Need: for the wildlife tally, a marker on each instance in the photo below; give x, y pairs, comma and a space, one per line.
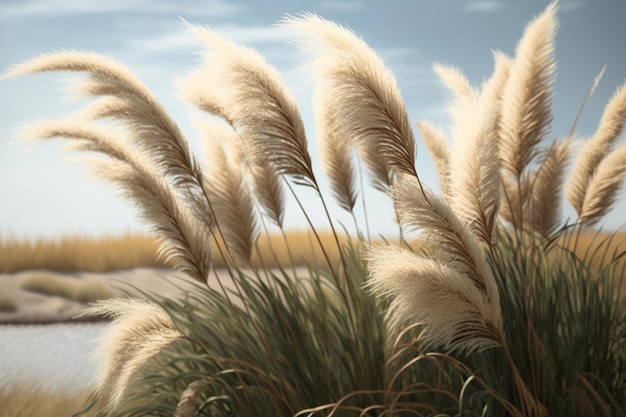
454, 80
456, 315
527, 96
237, 84
139, 331
87, 136
492, 89
77, 61
358, 89
595, 149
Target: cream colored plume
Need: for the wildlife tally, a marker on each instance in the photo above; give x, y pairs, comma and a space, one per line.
337, 160
604, 187
456, 314
595, 149
237, 84
123, 98
355, 86
182, 234
527, 96
184, 216
420, 210
473, 179
140, 330
439, 150
547, 188
228, 190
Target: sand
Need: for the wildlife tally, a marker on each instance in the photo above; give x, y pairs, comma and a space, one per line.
39, 308
35, 308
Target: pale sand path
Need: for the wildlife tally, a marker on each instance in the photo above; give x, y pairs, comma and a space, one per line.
38, 308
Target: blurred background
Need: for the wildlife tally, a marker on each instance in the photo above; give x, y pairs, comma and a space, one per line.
46, 194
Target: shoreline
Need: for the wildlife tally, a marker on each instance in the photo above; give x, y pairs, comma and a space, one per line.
34, 308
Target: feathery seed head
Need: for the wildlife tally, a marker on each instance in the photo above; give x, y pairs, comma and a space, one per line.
456, 315
237, 84
139, 331
358, 90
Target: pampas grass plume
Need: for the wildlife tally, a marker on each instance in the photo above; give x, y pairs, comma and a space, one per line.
456, 315
355, 85
140, 330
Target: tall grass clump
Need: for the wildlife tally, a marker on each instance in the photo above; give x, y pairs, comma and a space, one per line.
498, 312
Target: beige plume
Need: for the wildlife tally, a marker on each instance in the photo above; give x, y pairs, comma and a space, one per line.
456, 314
527, 96
237, 84
140, 330
358, 89
596, 148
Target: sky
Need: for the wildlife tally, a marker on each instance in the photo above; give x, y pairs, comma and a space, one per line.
46, 193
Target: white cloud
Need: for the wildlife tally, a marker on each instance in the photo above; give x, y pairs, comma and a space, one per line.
342, 6
483, 6
36, 8
184, 40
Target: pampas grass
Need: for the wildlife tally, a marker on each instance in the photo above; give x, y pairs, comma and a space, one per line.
141, 330
456, 313
149, 166
595, 150
474, 321
604, 187
545, 201
527, 95
358, 90
254, 100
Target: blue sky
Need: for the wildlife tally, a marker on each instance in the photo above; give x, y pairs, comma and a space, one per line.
45, 193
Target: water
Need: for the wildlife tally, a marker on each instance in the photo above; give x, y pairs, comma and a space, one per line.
51, 354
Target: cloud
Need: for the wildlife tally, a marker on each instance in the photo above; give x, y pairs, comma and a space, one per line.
182, 40
483, 6
47, 8
342, 6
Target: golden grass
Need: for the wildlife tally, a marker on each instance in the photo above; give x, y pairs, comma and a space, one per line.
77, 253
70, 288
69, 254
25, 399
103, 254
